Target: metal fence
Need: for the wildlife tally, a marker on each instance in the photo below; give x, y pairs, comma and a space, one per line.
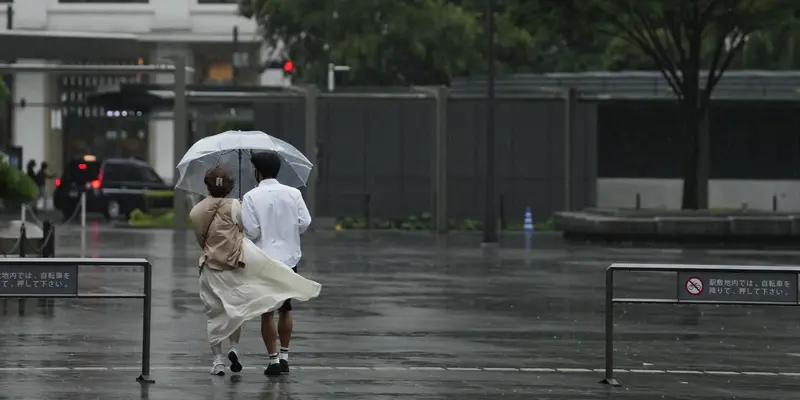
741, 285
420, 151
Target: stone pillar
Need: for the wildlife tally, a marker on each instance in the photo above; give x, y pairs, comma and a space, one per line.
32, 122
161, 138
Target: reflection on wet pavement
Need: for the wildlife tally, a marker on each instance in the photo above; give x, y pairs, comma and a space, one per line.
407, 315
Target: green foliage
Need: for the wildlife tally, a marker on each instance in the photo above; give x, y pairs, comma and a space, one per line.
16, 187
4, 93
692, 43
390, 42
679, 37
425, 222
430, 41
774, 47
164, 218
158, 200
383, 41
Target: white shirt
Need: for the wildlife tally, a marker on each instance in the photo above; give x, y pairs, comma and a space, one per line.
274, 215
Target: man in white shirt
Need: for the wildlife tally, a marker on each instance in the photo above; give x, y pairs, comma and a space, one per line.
274, 215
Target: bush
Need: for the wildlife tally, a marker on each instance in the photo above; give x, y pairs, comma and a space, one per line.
163, 218
16, 187
425, 222
158, 201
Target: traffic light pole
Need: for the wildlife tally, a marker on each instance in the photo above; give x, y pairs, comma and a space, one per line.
490, 215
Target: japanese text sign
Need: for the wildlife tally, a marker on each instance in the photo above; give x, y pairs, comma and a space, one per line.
752, 287
39, 279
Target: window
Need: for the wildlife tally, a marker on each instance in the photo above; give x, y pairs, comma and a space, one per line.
120, 172
149, 176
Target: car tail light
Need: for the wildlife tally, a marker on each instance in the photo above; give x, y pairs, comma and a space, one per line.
97, 183
81, 166
58, 182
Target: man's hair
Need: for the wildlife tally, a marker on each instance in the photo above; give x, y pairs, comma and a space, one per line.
219, 182
267, 164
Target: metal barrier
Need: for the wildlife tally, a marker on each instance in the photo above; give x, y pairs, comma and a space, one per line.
706, 284
58, 278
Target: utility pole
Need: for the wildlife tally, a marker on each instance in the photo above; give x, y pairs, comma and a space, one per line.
240, 59
8, 79
490, 215
235, 57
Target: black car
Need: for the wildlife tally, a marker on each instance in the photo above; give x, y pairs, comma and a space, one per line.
114, 187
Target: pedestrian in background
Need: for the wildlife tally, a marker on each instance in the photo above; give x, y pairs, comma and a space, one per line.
41, 181
31, 169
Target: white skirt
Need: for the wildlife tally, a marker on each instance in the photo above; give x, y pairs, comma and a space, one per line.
233, 297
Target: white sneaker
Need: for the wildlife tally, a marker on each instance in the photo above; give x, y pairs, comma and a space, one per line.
218, 368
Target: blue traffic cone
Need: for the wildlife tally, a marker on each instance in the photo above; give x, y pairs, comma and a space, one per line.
528, 223
527, 226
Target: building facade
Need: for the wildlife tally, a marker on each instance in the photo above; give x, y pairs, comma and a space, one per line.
48, 118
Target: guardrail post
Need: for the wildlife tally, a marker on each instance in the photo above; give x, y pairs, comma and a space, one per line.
23, 237
368, 210
49, 245
48, 251
148, 297
609, 379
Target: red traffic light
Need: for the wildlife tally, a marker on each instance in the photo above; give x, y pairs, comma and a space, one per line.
288, 66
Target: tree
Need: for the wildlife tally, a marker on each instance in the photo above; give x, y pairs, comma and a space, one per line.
390, 42
692, 43
383, 41
775, 47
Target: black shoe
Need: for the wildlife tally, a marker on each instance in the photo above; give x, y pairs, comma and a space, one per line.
273, 370
236, 366
284, 366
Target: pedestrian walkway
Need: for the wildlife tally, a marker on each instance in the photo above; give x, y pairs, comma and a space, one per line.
403, 315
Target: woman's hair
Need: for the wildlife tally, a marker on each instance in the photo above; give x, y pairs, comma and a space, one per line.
218, 182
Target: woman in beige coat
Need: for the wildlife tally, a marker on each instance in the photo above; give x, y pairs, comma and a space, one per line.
238, 282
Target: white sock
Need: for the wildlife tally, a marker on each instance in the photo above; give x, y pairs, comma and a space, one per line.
273, 358
284, 354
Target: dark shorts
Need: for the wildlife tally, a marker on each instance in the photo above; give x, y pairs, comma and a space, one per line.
287, 305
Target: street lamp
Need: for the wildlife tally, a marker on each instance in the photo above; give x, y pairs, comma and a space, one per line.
490, 217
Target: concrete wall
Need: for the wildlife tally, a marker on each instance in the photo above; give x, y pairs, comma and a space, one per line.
754, 154
728, 193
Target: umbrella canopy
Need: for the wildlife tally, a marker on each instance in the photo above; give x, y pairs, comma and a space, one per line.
232, 150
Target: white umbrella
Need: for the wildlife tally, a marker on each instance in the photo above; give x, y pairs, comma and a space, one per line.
232, 150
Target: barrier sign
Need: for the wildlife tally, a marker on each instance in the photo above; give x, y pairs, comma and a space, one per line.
38, 280
758, 287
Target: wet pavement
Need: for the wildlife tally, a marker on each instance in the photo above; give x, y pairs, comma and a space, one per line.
407, 315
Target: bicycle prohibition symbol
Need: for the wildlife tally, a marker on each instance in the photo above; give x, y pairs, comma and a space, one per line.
694, 286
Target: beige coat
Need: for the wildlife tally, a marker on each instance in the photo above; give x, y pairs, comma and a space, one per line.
217, 226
